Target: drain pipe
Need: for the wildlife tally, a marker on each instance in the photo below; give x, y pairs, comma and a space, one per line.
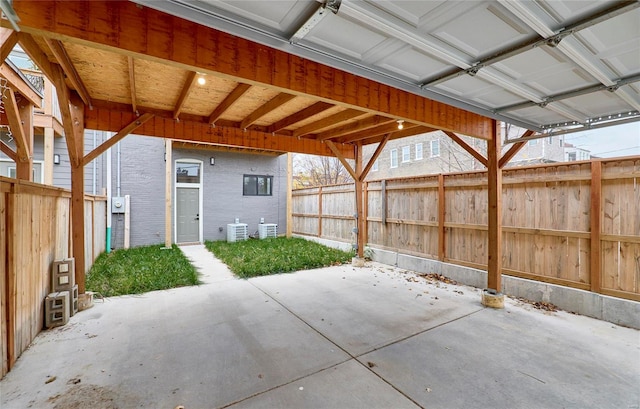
118, 169
108, 241
95, 169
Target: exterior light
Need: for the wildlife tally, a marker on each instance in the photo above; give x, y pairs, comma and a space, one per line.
201, 80
400, 124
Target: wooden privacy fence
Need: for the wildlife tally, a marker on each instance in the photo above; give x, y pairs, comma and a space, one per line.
34, 231
574, 224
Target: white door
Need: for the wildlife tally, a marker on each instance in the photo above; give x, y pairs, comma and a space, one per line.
188, 214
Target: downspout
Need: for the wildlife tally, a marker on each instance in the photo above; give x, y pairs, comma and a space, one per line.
118, 170
108, 241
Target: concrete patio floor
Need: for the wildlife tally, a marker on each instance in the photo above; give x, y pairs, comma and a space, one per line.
338, 337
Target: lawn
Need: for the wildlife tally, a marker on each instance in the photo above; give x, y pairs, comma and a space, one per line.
139, 270
253, 258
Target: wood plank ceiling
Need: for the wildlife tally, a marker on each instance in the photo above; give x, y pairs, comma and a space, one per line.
202, 85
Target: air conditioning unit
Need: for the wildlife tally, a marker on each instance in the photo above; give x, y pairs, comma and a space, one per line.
267, 230
237, 232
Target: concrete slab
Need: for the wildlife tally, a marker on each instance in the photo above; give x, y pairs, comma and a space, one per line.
364, 309
514, 358
376, 336
210, 269
347, 385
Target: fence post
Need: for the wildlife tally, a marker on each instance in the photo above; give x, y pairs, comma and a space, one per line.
596, 224
494, 176
320, 211
441, 215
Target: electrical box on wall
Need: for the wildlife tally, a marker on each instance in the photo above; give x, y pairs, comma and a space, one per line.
117, 205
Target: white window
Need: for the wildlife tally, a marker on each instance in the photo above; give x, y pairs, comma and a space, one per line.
394, 158
418, 151
533, 142
374, 168
435, 148
406, 154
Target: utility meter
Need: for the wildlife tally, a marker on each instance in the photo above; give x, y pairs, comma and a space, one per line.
117, 205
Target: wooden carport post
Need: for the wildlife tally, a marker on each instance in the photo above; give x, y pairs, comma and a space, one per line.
72, 110
494, 174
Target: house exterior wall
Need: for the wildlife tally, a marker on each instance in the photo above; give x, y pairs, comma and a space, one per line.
143, 179
223, 199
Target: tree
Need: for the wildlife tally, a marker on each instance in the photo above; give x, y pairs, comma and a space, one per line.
312, 170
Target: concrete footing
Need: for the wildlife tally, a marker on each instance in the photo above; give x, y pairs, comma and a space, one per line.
492, 299
357, 262
616, 310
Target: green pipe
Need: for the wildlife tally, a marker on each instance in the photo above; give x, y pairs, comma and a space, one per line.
108, 240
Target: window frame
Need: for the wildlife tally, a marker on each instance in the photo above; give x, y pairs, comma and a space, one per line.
257, 185
435, 142
406, 154
393, 155
421, 150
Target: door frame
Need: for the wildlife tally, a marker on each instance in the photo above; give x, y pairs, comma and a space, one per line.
198, 186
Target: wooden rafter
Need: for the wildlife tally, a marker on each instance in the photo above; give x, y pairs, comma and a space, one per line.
58, 50
407, 131
17, 130
18, 84
327, 122
464, 145
134, 31
108, 119
132, 83
230, 99
360, 125
8, 39
514, 149
116, 138
263, 110
36, 54
342, 159
374, 157
375, 131
192, 77
4, 148
299, 116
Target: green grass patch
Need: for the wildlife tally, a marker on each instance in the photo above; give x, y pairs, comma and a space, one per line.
139, 270
253, 258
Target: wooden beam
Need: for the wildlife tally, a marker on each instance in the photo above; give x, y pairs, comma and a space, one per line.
263, 110
375, 131
342, 159
299, 116
4, 148
104, 119
15, 123
36, 54
377, 153
8, 39
289, 194
595, 262
116, 138
192, 77
24, 168
470, 149
514, 149
407, 131
151, 34
359, 125
361, 240
72, 112
58, 50
19, 85
233, 96
327, 122
77, 224
494, 176
132, 83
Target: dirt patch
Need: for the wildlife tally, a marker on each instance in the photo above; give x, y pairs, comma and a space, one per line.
85, 396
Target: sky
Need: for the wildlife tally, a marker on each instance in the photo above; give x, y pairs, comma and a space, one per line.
609, 142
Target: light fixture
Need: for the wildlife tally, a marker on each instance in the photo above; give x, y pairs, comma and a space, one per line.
400, 123
201, 80
212, 161
56, 159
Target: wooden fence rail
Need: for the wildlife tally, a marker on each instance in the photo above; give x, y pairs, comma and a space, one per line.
574, 224
34, 231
